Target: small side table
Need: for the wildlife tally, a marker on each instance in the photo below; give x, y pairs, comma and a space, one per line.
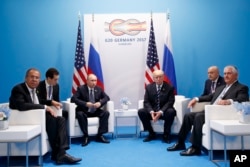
22, 134
130, 113
228, 128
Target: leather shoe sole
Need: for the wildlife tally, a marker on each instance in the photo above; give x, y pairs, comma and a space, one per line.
190, 152
67, 159
177, 147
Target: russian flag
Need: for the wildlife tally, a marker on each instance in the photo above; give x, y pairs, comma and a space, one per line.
94, 62
168, 61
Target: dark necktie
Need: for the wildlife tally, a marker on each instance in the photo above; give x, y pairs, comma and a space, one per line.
213, 87
158, 97
92, 100
50, 93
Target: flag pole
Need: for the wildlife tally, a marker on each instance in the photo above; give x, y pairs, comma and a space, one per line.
79, 15
168, 14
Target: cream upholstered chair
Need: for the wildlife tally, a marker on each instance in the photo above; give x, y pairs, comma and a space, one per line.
29, 117
220, 112
93, 122
181, 108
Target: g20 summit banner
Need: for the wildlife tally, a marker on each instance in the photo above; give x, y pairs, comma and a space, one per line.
122, 43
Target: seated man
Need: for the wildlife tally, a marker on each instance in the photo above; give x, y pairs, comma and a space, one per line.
214, 80
159, 99
89, 99
24, 97
223, 95
49, 90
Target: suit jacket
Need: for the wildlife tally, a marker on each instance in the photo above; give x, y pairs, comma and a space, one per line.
208, 84
43, 93
81, 97
20, 98
167, 97
237, 92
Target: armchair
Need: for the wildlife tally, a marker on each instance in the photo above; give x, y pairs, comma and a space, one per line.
29, 117
219, 112
181, 108
93, 123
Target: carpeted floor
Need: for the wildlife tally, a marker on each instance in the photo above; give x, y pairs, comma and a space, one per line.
123, 152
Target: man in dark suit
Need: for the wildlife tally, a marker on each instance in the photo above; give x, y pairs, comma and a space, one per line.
159, 99
24, 96
89, 99
223, 95
214, 80
49, 90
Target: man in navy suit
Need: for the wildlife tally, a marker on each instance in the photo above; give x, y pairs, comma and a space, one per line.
214, 80
223, 95
89, 99
25, 96
159, 99
49, 90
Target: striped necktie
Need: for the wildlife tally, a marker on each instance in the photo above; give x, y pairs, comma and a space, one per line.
158, 97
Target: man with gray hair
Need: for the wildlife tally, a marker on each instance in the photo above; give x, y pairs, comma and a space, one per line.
223, 95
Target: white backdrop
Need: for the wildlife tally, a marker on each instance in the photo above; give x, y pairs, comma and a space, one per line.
123, 56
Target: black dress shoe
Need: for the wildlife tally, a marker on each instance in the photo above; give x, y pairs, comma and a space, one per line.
166, 138
101, 139
150, 137
67, 159
176, 147
191, 151
85, 141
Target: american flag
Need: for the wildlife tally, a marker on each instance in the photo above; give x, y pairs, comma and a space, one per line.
80, 72
152, 57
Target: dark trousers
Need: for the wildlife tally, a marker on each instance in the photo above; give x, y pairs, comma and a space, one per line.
195, 120
103, 115
57, 134
168, 117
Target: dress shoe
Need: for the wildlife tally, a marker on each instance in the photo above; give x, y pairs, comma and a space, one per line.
67, 159
176, 147
150, 137
85, 141
191, 151
166, 138
102, 139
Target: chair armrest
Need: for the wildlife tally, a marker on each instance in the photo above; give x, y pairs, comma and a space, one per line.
217, 112
199, 106
70, 107
181, 108
110, 107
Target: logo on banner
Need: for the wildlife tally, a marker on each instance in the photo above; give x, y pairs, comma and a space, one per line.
120, 27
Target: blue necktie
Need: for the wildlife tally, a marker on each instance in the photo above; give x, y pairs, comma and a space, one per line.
50, 93
158, 97
212, 87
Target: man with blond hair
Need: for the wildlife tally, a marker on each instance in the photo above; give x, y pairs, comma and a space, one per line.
159, 99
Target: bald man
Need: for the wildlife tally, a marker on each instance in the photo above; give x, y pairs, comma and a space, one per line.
159, 99
214, 80
89, 99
